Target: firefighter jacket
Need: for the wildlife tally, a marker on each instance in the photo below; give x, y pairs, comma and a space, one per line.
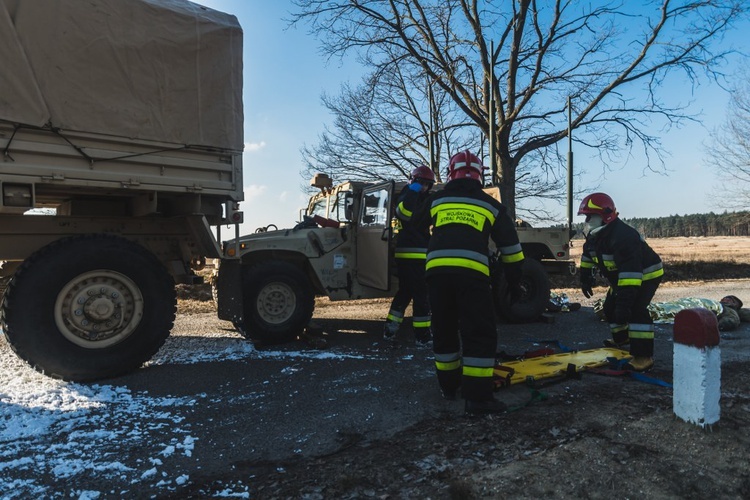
411, 241
463, 218
623, 257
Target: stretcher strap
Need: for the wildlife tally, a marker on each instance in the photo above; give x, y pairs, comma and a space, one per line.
617, 370
536, 395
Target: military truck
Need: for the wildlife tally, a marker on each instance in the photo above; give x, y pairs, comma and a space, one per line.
121, 132
343, 249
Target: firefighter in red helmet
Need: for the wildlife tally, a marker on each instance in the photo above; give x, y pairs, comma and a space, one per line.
411, 249
463, 218
633, 271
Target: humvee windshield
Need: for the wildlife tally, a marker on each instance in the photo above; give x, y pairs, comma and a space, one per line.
333, 206
318, 208
339, 205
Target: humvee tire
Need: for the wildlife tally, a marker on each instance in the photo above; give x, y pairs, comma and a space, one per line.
89, 307
535, 298
279, 302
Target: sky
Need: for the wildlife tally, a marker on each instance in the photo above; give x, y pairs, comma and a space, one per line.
285, 76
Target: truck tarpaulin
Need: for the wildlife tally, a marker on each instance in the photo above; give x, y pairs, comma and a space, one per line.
156, 70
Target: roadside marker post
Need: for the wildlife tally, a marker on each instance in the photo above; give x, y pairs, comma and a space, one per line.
697, 367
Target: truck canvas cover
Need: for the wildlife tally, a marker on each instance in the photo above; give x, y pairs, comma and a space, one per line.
157, 70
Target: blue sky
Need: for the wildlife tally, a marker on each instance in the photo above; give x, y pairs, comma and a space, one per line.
285, 75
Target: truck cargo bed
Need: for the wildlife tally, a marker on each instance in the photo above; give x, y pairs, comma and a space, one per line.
67, 165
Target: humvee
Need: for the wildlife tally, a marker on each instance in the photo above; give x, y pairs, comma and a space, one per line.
343, 249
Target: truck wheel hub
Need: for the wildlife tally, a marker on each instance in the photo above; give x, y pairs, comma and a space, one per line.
98, 309
276, 303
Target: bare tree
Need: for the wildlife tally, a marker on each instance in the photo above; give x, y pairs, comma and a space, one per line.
611, 59
729, 151
382, 128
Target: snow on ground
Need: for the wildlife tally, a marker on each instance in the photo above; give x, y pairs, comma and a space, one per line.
56, 433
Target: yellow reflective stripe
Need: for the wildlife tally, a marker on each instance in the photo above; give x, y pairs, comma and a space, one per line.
472, 371
614, 327
463, 206
586, 265
458, 262
421, 324
511, 249
641, 335
404, 210
411, 255
514, 257
652, 275
397, 319
448, 366
629, 282
466, 217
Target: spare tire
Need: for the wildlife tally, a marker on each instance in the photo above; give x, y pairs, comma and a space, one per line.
533, 301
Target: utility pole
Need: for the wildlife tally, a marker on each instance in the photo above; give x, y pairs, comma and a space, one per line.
570, 169
491, 117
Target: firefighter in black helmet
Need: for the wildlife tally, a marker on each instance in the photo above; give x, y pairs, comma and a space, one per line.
411, 250
463, 218
633, 270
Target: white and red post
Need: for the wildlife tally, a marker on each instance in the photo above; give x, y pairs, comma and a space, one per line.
697, 367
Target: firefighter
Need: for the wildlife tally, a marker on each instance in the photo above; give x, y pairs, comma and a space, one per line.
633, 270
411, 249
463, 218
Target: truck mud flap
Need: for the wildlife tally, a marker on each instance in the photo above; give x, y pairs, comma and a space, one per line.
229, 291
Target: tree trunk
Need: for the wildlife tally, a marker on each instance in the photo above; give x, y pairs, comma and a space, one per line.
506, 181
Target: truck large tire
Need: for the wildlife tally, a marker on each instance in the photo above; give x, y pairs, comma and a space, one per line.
89, 307
535, 298
279, 302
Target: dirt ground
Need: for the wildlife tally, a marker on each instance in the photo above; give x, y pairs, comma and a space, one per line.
613, 440
609, 437
602, 437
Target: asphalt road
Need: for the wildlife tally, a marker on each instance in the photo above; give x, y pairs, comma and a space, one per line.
294, 400
250, 407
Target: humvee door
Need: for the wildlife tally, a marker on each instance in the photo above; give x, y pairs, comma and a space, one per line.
374, 235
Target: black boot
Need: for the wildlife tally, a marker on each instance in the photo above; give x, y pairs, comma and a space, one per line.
449, 394
484, 407
615, 344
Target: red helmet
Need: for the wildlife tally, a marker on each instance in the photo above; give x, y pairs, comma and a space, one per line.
599, 204
423, 173
465, 164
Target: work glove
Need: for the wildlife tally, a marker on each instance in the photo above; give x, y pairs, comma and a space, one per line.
587, 282
416, 187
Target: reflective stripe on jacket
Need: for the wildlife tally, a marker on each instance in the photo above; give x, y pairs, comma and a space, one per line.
463, 218
411, 242
623, 257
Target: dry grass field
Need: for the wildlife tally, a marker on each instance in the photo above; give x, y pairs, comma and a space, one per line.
715, 249
691, 259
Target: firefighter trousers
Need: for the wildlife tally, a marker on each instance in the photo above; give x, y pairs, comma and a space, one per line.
464, 334
411, 287
640, 330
